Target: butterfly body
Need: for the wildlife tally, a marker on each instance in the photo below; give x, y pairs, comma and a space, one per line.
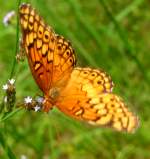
82, 93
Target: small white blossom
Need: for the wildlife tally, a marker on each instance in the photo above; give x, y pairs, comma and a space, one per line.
8, 17
5, 87
5, 99
40, 100
11, 81
28, 100
37, 108
23, 157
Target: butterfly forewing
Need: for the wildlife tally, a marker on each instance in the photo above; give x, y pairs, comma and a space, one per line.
51, 57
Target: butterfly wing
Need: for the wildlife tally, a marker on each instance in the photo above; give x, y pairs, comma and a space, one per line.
88, 97
50, 56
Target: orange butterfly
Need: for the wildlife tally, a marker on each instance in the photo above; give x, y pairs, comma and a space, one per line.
82, 93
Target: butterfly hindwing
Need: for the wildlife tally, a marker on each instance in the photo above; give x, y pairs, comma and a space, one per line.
88, 97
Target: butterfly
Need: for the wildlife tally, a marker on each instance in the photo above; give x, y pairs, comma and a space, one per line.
81, 93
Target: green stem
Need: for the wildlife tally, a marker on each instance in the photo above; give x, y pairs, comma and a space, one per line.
7, 149
17, 41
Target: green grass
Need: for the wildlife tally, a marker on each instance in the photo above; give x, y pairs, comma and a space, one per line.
112, 35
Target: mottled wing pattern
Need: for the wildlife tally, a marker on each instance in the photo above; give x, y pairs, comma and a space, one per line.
50, 56
88, 97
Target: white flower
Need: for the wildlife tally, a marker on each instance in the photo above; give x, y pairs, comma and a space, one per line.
40, 100
37, 108
5, 87
11, 81
28, 100
8, 17
5, 99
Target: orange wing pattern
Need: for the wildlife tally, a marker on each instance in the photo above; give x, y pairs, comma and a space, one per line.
82, 93
88, 97
51, 57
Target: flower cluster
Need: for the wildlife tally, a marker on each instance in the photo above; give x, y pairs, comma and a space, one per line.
10, 97
7, 18
33, 104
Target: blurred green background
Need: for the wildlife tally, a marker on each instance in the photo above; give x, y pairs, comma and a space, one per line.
113, 35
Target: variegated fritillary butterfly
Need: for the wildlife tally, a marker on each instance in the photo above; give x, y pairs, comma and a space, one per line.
82, 93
